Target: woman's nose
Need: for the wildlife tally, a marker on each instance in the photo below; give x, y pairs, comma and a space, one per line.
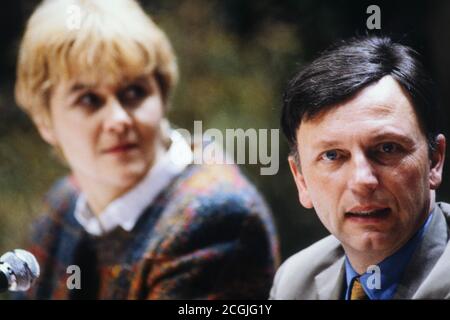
118, 118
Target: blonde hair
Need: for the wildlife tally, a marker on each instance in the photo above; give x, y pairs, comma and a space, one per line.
115, 39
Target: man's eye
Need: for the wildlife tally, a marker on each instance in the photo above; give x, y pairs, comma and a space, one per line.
330, 155
388, 147
90, 100
132, 94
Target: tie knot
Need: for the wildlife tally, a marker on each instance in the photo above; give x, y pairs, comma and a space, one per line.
358, 292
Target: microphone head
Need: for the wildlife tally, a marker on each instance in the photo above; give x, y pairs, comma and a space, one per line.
24, 268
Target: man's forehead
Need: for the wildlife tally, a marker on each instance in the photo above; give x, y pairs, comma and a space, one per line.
379, 99
371, 111
374, 109
370, 129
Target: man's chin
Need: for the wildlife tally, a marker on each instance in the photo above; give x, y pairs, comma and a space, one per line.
373, 243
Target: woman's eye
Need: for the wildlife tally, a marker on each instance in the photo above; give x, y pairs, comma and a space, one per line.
330, 155
132, 94
90, 100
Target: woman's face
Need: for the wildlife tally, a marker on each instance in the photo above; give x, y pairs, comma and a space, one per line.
109, 134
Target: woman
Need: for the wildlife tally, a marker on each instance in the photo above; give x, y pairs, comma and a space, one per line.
133, 221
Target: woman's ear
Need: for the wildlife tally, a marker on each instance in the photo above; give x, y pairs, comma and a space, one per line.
46, 130
165, 129
303, 193
437, 162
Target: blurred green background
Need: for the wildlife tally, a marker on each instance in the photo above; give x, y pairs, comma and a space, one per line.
235, 58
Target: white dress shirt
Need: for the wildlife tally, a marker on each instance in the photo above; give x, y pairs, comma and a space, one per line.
126, 210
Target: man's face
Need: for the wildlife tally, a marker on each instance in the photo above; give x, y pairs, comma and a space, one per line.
109, 134
366, 171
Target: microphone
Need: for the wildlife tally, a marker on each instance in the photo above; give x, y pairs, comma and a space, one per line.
18, 270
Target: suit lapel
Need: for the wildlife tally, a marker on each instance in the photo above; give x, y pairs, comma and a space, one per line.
419, 279
330, 282
437, 284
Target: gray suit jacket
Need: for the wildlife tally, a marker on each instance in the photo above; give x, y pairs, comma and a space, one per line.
318, 272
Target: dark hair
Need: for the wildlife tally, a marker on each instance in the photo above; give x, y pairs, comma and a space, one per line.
348, 67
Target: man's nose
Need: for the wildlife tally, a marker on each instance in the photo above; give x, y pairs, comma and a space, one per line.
363, 178
118, 119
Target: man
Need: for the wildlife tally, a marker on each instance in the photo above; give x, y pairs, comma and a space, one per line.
367, 156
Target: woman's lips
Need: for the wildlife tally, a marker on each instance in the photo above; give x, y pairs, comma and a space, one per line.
122, 148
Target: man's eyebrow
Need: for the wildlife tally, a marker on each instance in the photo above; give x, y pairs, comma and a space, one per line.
393, 136
383, 136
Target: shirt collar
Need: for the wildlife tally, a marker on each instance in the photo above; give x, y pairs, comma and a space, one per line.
390, 269
127, 209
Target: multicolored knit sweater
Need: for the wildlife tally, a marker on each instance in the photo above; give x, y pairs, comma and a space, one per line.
209, 235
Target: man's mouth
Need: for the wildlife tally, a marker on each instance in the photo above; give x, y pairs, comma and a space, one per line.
368, 214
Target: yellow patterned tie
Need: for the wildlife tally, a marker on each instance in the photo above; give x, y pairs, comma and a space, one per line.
357, 292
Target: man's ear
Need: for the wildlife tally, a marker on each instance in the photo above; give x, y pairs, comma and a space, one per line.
303, 193
437, 162
46, 130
